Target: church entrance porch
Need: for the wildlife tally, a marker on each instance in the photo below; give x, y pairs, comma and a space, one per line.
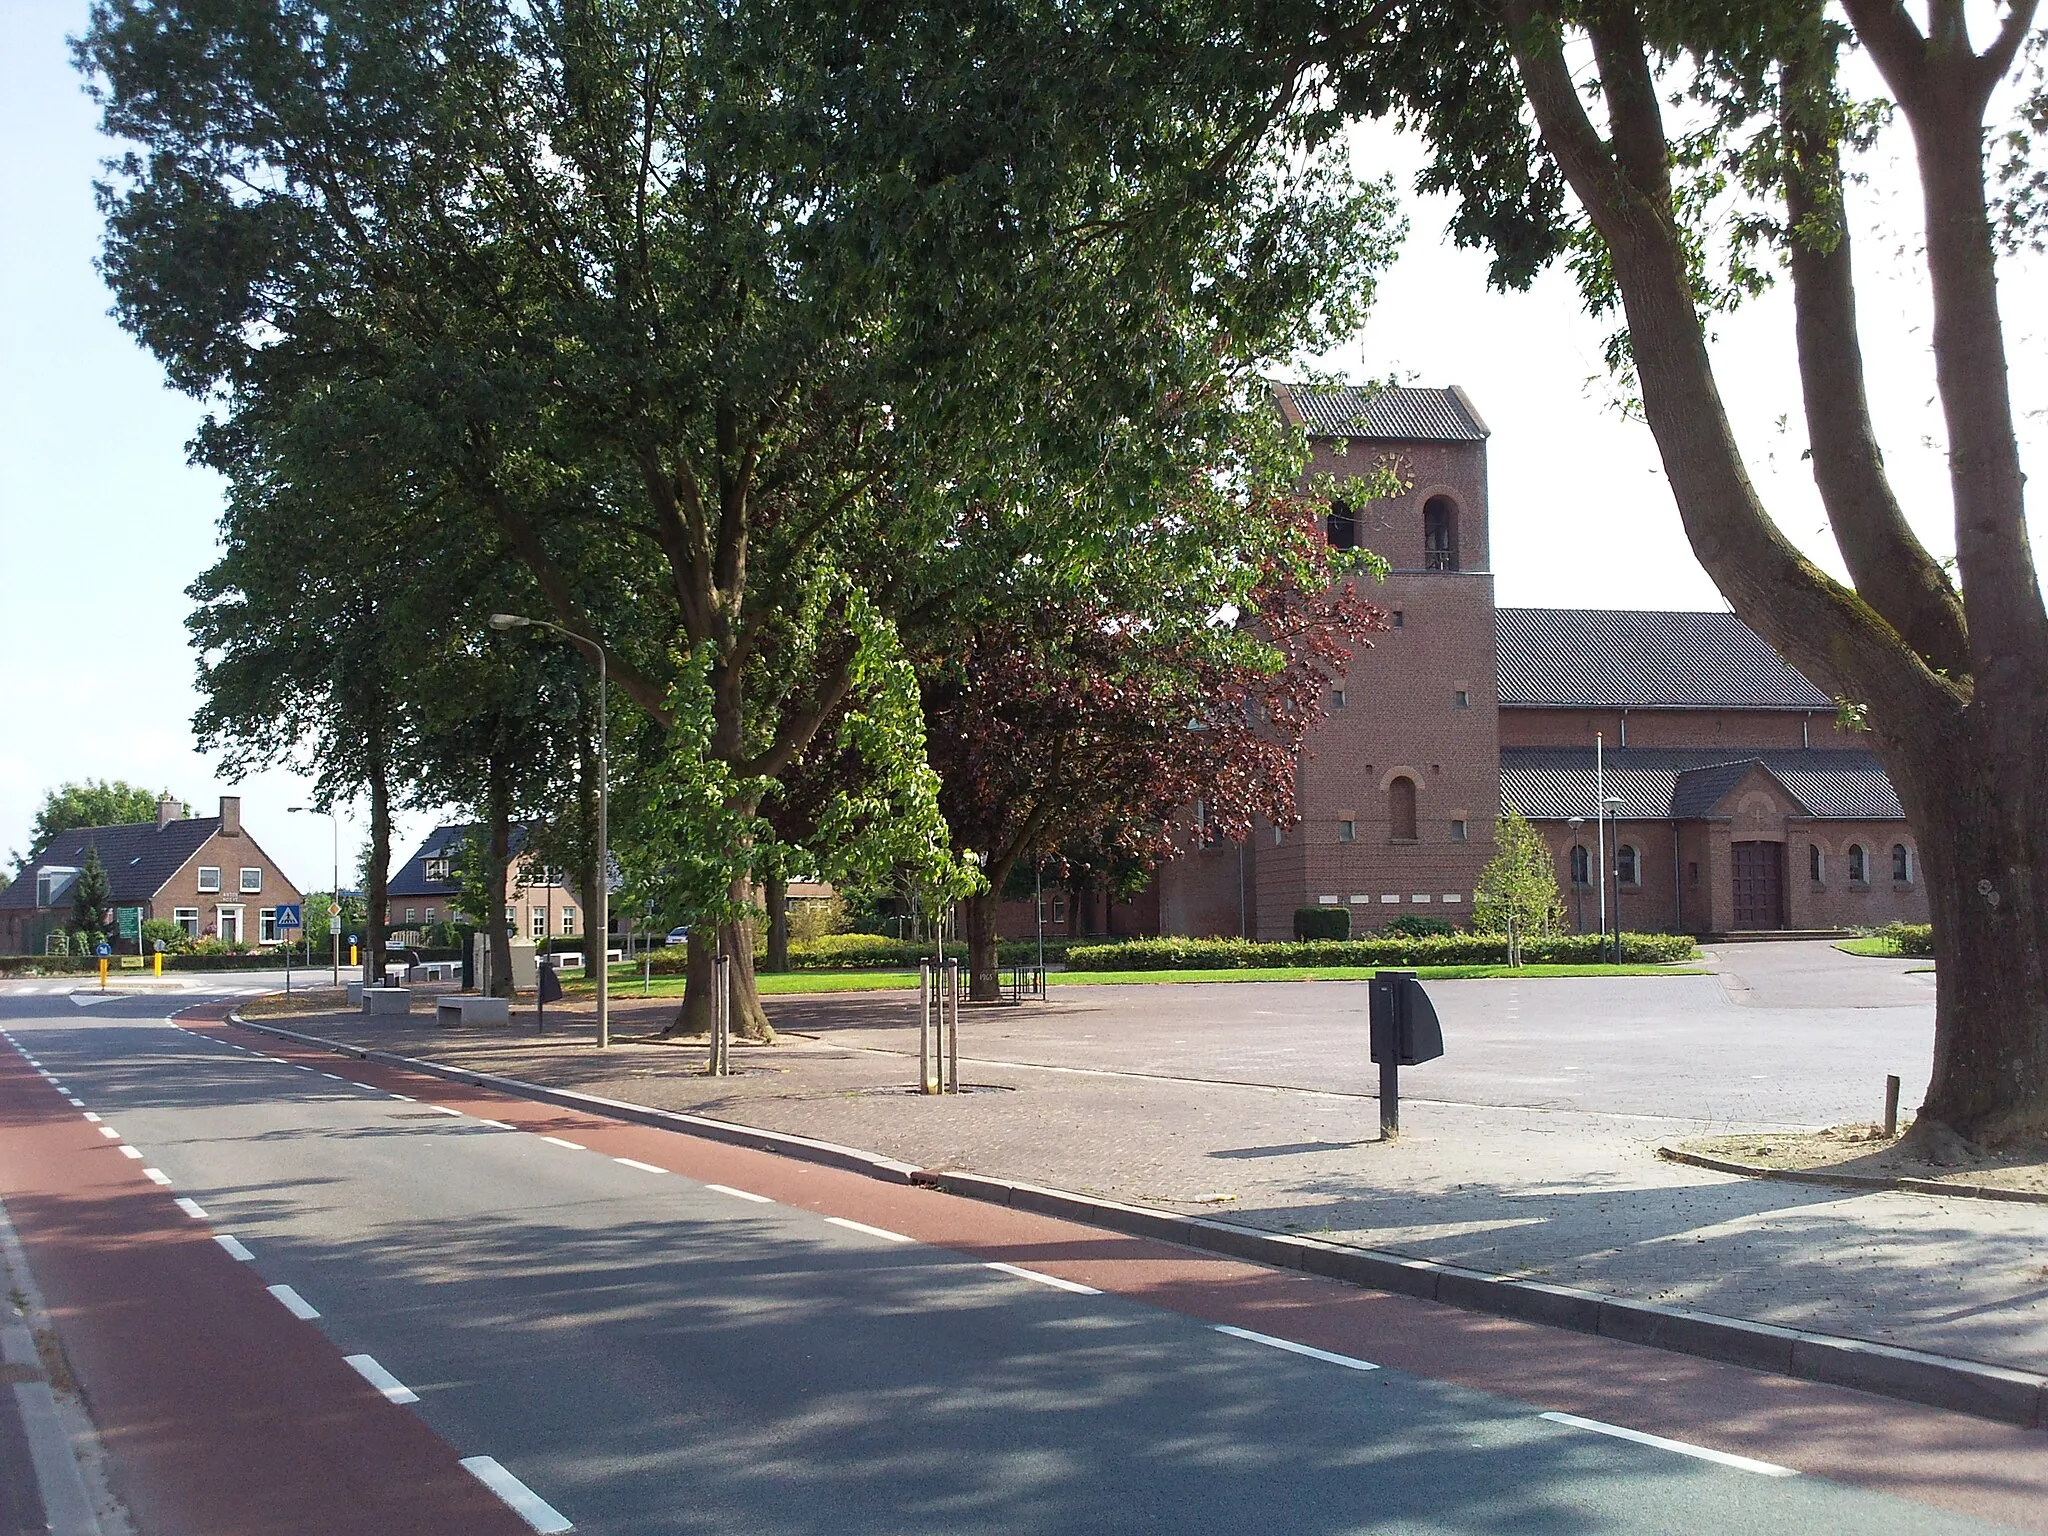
1759, 879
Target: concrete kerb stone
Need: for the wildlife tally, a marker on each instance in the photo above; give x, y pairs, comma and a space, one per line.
1939, 1381
1852, 1180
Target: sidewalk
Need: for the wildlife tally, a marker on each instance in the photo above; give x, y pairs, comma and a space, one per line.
1184, 1105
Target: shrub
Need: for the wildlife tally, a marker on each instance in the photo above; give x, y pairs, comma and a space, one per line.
175, 939
1408, 926
1434, 949
1322, 922
1908, 938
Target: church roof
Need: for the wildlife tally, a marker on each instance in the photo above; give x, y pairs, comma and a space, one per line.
1600, 658
1397, 414
1678, 784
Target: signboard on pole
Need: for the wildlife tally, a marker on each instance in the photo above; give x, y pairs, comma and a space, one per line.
127, 922
291, 915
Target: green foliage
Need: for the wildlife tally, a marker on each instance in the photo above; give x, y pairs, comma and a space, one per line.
1518, 883
1322, 922
1410, 926
1441, 949
91, 895
1907, 938
171, 934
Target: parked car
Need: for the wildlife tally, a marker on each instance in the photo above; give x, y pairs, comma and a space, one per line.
678, 936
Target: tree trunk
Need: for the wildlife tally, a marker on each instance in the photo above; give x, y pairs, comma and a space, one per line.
499, 810
777, 894
693, 1014
378, 875
749, 1020
984, 971
595, 941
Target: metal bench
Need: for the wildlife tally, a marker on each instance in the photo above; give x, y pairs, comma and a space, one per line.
454, 1012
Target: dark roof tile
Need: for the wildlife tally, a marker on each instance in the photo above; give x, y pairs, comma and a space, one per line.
1598, 658
1557, 783
1399, 414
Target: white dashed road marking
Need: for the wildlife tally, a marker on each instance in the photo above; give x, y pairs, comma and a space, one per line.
740, 1194
131, 1152
294, 1303
234, 1247
633, 1162
1703, 1453
192, 1208
528, 1505
156, 1176
1347, 1361
394, 1390
1043, 1279
573, 1146
860, 1226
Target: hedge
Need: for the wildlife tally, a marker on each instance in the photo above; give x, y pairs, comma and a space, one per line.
1439, 949
1908, 938
1321, 924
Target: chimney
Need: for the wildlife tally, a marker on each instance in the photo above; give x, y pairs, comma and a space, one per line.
167, 810
230, 815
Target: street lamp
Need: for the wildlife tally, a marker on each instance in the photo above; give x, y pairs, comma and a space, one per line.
334, 893
502, 622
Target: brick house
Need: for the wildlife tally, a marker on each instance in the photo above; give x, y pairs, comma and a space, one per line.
1742, 805
539, 902
205, 873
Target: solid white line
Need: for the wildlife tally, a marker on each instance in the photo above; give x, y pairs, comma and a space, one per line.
634, 1162
294, 1303
528, 1505
1721, 1458
1043, 1279
740, 1194
394, 1390
1348, 1361
861, 1226
573, 1146
127, 1151
156, 1176
109, 1132
191, 1208
444, 1109
93, 1118
234, 1247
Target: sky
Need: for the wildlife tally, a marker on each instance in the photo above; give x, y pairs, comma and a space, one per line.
103, 523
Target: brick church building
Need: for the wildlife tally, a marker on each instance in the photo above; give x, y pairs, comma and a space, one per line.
1736, 801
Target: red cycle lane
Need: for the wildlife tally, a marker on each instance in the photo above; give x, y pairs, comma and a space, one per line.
1951, 1461
221, 1414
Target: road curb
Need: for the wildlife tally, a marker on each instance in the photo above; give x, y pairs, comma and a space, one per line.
1900, 1184
1939, 1381
53, 1444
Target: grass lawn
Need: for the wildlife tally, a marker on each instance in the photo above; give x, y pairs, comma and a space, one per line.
1878, 948
625, 984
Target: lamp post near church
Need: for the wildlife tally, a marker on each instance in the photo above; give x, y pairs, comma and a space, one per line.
505, 621
1578, 885
333, 895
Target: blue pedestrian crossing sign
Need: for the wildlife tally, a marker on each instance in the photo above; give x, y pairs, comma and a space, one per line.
291, 915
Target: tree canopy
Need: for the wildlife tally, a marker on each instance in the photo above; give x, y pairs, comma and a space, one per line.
90, 803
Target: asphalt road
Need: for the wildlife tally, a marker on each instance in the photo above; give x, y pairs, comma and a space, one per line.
650, 1334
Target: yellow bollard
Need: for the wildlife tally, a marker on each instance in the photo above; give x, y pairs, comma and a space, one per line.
103, 973
352, 960
158, 960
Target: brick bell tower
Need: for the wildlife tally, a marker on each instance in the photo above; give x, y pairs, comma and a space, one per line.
1399, 787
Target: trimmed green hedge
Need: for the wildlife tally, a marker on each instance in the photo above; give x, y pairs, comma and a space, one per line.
1438, 949
869, 952
1908, 938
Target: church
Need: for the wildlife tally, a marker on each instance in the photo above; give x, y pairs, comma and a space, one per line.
1734, 800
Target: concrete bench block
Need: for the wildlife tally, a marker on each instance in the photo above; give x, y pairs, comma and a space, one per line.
355, 994
387, 1000
453, 1012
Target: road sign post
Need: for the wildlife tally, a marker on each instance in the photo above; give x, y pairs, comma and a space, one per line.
1405, 1032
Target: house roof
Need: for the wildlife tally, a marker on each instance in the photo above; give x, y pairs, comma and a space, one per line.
1601, 658
444, 842
1677, 784
1398, 414
138, 857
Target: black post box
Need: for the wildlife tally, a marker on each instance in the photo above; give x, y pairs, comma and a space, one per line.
1405, 1030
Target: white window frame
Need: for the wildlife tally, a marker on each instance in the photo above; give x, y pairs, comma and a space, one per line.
568, 922
252, 880
222, 915
209, 879
437, 869
266, 925
538, 921
187, 918
412, 915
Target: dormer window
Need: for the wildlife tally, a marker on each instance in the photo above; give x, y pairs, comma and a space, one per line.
437, 869
1439, 534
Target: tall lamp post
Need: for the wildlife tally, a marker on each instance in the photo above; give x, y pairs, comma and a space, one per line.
334, 894
505, 621
1612, 806
1577, 823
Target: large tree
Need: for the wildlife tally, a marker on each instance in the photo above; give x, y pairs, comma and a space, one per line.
1171, 701
88, 803
1636, 138
754, 300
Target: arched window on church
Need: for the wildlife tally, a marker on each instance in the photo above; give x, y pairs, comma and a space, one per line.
1582, 865
1628, 865
1341, 526
1440, 534
1401, 808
